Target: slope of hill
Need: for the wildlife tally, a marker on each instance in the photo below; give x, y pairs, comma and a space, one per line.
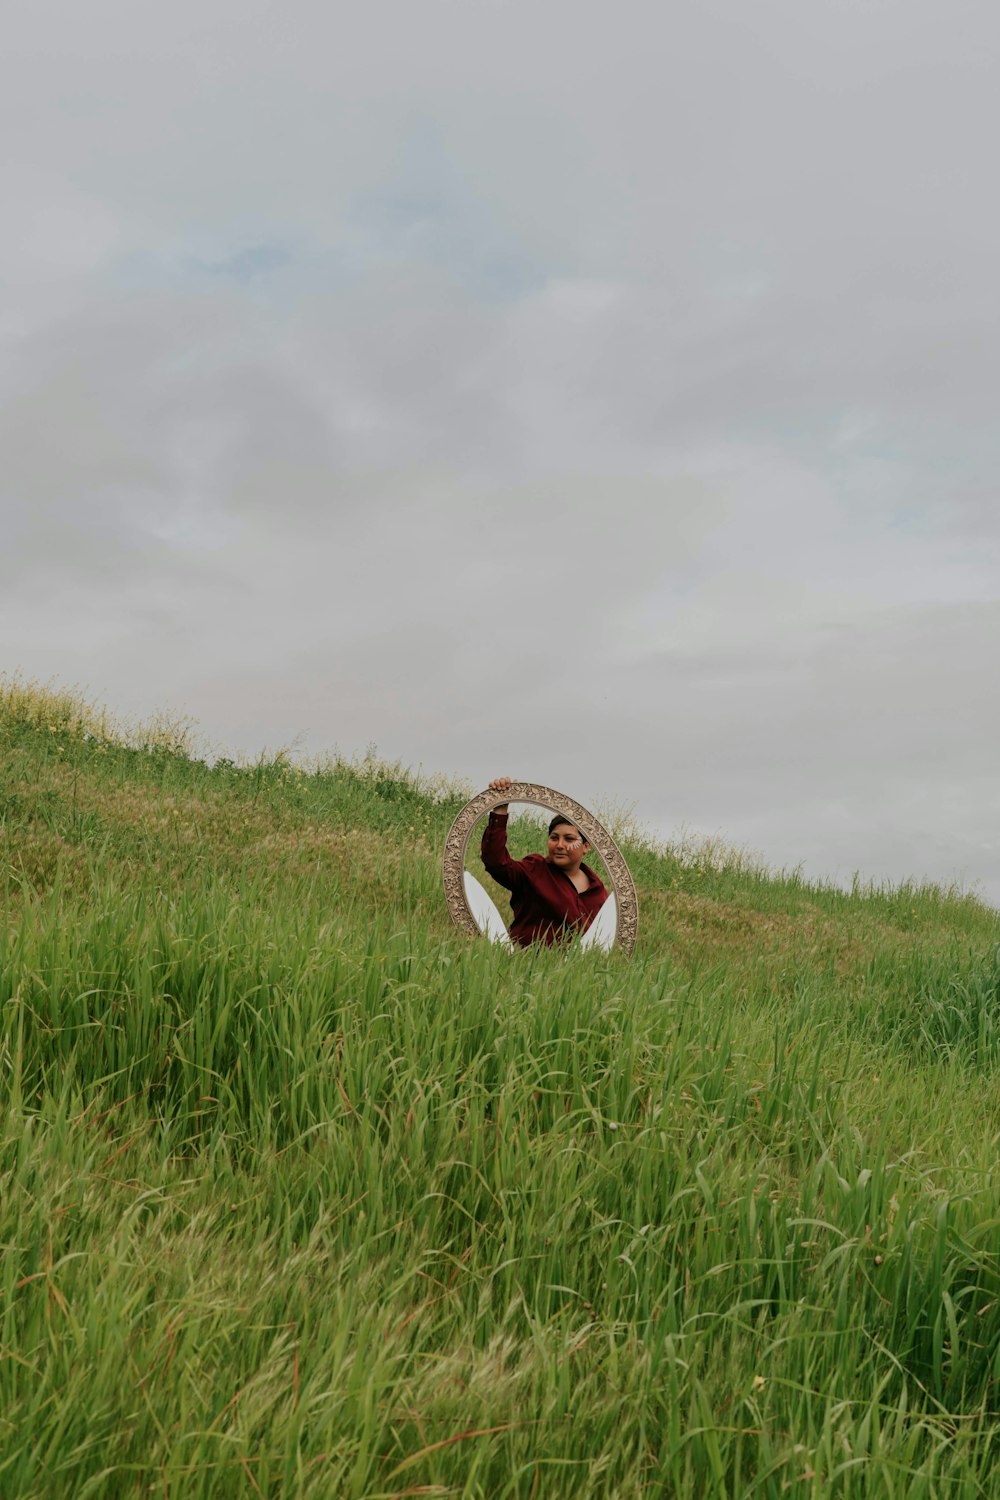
303, 1193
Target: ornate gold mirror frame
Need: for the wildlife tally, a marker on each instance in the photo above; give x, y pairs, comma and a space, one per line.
457, 843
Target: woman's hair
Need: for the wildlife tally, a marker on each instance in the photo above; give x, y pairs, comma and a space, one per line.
569, 824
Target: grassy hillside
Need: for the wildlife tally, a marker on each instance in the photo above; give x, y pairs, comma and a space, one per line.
304, 1194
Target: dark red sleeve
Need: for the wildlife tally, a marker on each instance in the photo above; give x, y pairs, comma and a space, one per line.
505, 871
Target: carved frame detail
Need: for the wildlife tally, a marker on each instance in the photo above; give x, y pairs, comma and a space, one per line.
457, 843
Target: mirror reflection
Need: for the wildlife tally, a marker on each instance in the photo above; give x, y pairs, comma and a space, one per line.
532, 876
488, 919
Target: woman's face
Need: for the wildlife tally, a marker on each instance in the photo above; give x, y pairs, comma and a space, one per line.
566, 845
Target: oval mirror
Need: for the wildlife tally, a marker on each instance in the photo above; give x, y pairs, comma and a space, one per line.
473, 909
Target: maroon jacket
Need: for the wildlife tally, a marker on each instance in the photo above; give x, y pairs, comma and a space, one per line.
545, 902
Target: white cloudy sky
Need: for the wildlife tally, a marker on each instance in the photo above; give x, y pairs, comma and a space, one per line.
600, 394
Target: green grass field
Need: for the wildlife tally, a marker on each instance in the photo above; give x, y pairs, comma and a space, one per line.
302, 1193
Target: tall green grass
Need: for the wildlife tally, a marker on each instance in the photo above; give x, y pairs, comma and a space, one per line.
302, 1193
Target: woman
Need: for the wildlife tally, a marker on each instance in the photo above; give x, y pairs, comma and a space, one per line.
551, 898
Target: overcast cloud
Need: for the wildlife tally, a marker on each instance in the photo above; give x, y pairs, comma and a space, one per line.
604, 395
